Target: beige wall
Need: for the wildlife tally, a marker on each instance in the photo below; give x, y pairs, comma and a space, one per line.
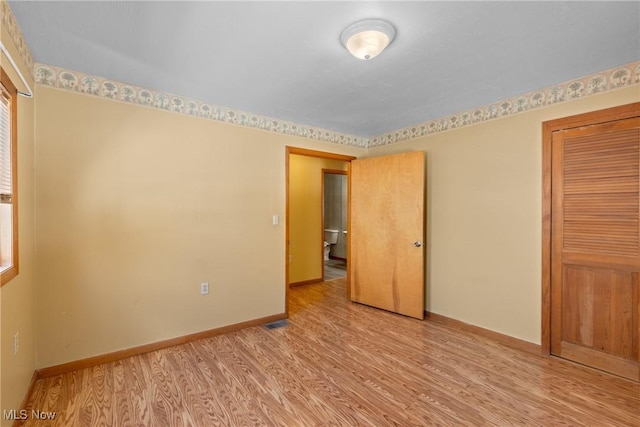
484, 218
137, 207
305, 215
17, 296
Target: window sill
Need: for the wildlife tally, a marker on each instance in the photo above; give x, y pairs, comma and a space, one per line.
7, 273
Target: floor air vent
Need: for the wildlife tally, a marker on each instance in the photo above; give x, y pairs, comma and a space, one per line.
277, 324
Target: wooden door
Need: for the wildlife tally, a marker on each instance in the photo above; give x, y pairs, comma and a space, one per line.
595, 253
386, 260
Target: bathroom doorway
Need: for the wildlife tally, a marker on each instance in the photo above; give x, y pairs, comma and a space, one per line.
334, 223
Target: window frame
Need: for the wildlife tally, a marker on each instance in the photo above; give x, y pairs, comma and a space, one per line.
7, 86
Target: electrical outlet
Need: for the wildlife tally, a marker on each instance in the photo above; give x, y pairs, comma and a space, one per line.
16, 344
204, 288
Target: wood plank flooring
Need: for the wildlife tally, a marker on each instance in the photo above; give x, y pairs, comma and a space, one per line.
338, 364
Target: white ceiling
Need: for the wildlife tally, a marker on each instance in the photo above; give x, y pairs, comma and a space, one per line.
284, 59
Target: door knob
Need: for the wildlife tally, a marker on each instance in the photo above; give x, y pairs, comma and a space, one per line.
417, 244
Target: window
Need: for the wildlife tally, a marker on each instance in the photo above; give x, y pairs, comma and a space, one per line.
8, 184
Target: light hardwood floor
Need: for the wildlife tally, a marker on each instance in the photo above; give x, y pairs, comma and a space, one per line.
337, 364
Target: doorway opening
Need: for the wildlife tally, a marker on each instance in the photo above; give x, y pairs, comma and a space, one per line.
305, 236
334, 223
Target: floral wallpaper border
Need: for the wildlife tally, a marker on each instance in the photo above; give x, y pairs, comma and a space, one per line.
78, 82
611, 79
604, 81
614, 78
10, 23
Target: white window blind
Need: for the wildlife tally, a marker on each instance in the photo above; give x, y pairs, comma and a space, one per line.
5, 149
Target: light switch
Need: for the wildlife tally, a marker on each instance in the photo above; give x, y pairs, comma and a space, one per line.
276, 220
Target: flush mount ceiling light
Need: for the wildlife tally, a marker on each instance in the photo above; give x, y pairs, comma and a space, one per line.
367, 38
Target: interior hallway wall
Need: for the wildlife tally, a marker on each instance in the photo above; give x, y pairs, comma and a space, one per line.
305, 216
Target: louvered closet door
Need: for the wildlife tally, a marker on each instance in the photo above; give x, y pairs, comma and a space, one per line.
596, 246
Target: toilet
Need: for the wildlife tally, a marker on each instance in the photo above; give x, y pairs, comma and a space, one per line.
330, 238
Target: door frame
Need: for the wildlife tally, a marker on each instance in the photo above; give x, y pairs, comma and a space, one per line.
548, 128
312, 153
